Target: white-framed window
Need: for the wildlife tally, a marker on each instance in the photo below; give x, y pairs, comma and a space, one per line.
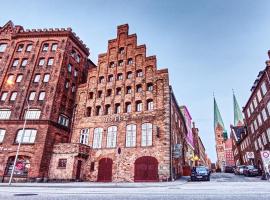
2, 134
28, 136
248, 112
10, 78
268, 134
63, 120
41, 62
75, 72
252, 128
15, 62
50, 61
69, 67
131, 135
111, 136
20, 48
36, 78
259, 142
4, 96
13, 96
259, 119
264, 138
78, 58
255, 102
150, 104
84, 136
45, 47
3, 47
264, 114
139, 73
19, 78
67, 85
147, 134
5, 113
255, 125
32, 96
41, 96
128, 107
24, 62
117, 108
259, 95
73, 88
138, 106
97, 141
264, 89
251, 107
46, 78
29, 47
54, 47
32, 114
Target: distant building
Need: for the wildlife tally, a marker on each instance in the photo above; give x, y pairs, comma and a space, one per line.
199, 149
229, 158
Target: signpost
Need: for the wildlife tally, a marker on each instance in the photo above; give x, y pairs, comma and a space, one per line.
265, 155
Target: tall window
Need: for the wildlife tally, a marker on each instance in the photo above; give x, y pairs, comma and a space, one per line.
149, 87
32, 114
138, 106
5, 113
120, 76
139, 73
41, 62
29, 47
110, 78
54, 47
45, 47
111, 136
107, 109
259, 95
15, 62
128, 107
109, 93
13, 96
128, 90
129, 75
10, 78
24, 62
118, 91
19, 78
150, 104
37, 78
84, 136
101, 79
41, 96
139, 88
3, 47
2, 134
69, 67
50, 61
99, 94
264, 115
97, 141
46, 78
63, 120
129, 61
32, 96
75, 72
131, 135
20, 48
111, 64
117, 108
121, 63
29, 136
4, 96
98, 110
259, 119
263, 87
88, 111
147, 129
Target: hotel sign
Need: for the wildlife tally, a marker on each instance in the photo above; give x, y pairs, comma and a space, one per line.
3, 149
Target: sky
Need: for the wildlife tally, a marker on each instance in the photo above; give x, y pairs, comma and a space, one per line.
209, 46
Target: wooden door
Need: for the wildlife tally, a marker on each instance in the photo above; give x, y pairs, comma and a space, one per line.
105, 170
146, 169
78, 171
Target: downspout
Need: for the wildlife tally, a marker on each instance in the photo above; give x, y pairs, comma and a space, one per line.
171, 159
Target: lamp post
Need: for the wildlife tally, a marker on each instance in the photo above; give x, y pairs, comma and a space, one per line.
19, 143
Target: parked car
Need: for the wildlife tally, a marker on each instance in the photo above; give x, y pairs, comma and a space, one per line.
229, 169
239, 170
200, 173
250, 170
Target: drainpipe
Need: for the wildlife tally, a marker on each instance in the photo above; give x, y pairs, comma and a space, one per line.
171, 159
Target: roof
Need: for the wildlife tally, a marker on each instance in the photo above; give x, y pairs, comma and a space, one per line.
238, 116
217, 116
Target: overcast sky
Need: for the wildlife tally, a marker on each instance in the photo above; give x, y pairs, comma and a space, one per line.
208, 46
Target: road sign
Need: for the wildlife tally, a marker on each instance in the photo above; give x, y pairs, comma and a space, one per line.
250, 155
265, 155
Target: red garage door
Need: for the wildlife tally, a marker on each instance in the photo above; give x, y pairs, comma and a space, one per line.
105, 170
146, 169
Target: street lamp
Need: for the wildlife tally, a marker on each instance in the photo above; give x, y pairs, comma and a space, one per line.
20, 140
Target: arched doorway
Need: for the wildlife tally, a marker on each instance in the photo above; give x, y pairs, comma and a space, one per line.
105, 170
146, 169
21, 167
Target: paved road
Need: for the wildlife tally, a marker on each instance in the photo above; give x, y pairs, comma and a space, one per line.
221, 187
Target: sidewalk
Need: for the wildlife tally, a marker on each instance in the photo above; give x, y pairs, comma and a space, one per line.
180, 181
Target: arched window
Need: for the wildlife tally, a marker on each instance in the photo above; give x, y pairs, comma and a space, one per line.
128, 107
117, 108
98, 110
139, 88
139, 73
3, 47
109, 92
21, 168
111, 136
97, 141
138, 106
128, 90
147, 129
150, 104
84, 136
149, 87
131, 135
107, 109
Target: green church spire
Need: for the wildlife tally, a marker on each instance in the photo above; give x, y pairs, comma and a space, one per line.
238, 117
218, 120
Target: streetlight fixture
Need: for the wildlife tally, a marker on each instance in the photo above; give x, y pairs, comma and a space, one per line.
20, 140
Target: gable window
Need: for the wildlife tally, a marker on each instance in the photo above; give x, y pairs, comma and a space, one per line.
19, 78
84, 136
129, 75
147, 129
63, 120
139, 73
15, 62
130, 61
150, 104
41, 62
24, 62
110, 78
50, 61
41, 96
107, 109
88, 111
109, 92
5, 113
149, 87
4, 96
54, 47
29, 47
111, 136
69, 67
45, 47
101, 79
121, 63
128, 107
264, 89
131, 135
120, 76
98, 110
32, 96
28, 136
121, 50
32, 114
97, 137
37, 78
3, 47
128, 90
139, 88
46, 78
20, 48
2, 134
117, 108
13, 96
138, 106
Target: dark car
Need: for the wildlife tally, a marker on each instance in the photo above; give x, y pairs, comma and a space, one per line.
229, 169
250, 170
239, 170
200, 173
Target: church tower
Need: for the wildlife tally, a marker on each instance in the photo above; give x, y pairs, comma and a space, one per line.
220, 136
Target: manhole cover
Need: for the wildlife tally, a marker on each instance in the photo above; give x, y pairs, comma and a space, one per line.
28, 194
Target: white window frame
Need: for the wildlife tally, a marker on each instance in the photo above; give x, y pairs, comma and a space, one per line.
29, 136
3, 47
5, 113
54, 47
139, 106
131, 135
97, 140
150, 105
268, 134
50, 62
46, 78
259, 95
41, 62
13, 96
84, 136
259, 119
63, 120
147, 134
32, 114
2, 134
41, 96
29, 47
24, 62
264, 114
111, 136
15, 62
263, 87
32, 96
264, 138
36, 78
4, 96
19, 78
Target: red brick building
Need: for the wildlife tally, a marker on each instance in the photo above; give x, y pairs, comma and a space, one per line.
128, 117
42, 68
229, 158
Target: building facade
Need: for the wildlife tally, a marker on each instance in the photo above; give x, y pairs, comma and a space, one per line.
229, 158
127, 118
40, 71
